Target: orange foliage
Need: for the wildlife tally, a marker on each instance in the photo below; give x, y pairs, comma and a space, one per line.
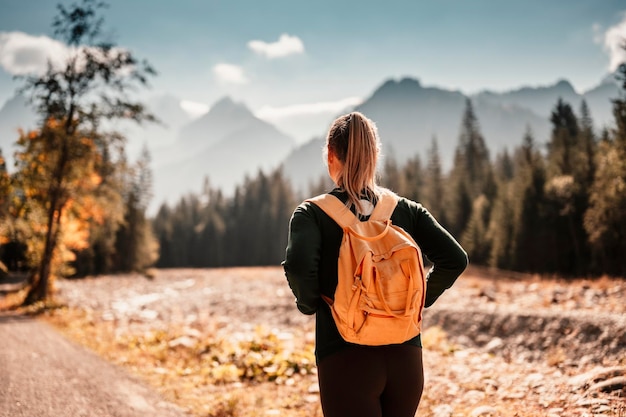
91, 209
75, 232
53, 123
95, 179
87, 142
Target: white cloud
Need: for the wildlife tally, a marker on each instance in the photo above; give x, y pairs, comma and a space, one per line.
614, 41
305, 121
230, 74
286, 45
319, 108
22, 54
194, 108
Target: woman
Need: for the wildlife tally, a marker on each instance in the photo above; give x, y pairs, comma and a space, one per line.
358, 380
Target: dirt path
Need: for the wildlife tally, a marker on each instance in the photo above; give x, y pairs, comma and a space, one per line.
43, 374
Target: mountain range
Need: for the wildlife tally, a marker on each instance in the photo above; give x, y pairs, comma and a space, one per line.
230, 142
226, 144
409, 115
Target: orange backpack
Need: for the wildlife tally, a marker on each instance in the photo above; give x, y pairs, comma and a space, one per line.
381, 284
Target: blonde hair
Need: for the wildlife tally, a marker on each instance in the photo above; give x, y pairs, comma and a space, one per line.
353, 139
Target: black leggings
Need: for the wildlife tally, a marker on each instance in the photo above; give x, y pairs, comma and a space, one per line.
372, 381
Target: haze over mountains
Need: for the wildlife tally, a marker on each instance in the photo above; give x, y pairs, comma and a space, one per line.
230, 141
225, 145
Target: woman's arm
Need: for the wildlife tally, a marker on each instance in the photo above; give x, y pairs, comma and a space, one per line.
448, 257
302, 258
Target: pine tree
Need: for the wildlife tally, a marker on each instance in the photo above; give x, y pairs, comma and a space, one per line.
248, 229
472, 156
569, 156
471, 177
163, 224
529, 248
500, 223
563, 141
500, 228
136, 247
475, 238
214, 228
413, 179
605, 220
504, 169
434, 187
392, 176
588, 145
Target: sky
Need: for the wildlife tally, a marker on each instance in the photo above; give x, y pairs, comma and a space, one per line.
289, 57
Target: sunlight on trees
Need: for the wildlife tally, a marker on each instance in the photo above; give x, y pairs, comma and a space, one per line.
61, 167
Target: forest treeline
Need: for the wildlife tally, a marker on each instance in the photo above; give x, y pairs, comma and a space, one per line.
557, 208
553, 209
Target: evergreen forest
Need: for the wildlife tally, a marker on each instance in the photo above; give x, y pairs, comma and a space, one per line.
553, 209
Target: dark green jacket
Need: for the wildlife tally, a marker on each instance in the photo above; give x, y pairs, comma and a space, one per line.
313, 249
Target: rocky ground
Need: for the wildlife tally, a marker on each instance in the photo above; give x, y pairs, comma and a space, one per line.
496, 344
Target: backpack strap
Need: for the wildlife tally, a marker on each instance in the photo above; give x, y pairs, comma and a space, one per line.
335, 209
344, 217
387, 203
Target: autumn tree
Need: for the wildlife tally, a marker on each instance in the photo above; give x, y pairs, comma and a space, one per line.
97, 257
5, 187
60, 160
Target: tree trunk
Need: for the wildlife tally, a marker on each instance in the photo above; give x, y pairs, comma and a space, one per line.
40, 281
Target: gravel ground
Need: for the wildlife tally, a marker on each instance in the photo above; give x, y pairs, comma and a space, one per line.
495, 344
45, 375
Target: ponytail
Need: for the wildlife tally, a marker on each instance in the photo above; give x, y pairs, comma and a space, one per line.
353, 138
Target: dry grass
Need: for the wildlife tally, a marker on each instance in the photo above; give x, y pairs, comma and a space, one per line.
13, 300
206, 375
235, 378
217, 377
212, 373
